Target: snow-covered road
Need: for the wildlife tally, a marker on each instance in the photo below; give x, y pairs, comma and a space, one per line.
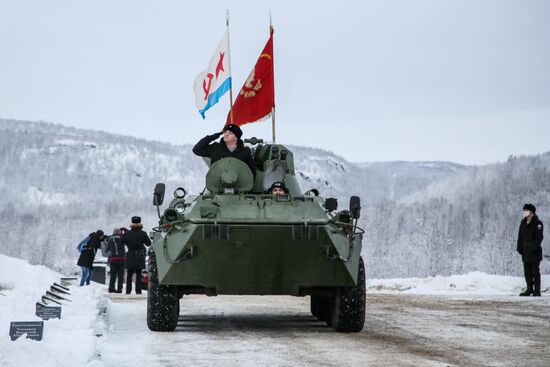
472, 319
401, 330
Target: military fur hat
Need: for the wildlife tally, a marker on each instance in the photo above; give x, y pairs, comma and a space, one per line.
530, 207
136, 220
234, 129
280, 185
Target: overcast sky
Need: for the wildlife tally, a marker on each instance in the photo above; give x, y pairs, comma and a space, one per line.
464, 81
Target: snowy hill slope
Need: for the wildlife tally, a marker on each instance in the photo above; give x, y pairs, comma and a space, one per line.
405, 178
422, 218
61, 183
461, 223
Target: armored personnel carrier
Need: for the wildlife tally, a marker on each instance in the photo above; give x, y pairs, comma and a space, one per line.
235, 238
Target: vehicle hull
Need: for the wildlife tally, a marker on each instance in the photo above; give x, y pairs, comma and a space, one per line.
256, 259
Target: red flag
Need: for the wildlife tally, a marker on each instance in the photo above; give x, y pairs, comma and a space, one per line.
257, 96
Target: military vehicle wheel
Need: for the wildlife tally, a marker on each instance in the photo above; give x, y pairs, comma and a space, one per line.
348, 311
163, 306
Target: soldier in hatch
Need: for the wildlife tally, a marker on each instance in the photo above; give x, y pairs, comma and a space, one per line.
230, 145
278, 188
529, 247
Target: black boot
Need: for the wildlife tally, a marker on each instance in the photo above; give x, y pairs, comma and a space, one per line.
536, 293
527, 293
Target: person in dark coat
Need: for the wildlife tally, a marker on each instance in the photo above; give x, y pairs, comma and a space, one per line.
116, 260
135, 240
230, 146
87, 256
530, 237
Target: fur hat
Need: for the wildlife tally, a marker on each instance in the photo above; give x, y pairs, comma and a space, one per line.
136, 220
530, 207
278, 184
99, 233
234, 129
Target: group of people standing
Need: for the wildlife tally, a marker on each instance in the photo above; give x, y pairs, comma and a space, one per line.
126, 249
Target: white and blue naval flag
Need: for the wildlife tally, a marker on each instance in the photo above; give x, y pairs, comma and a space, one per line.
215, 81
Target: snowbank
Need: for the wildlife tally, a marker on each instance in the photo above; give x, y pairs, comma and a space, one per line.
475, 283
69, 341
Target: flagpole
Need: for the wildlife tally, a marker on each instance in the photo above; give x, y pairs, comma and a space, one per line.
229, 64
273, 72
273, 123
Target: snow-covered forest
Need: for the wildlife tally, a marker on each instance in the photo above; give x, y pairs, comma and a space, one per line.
461, 223
422, 218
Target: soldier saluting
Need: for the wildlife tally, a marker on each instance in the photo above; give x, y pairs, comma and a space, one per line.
529, 246
230, 145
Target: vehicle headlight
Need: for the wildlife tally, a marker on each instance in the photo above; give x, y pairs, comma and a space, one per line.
180, 193
179, 207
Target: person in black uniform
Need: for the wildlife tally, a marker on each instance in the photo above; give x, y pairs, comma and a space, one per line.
230, 145
135, 240
529, 247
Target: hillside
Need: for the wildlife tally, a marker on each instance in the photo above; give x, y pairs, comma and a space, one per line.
422, 218
464, 222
